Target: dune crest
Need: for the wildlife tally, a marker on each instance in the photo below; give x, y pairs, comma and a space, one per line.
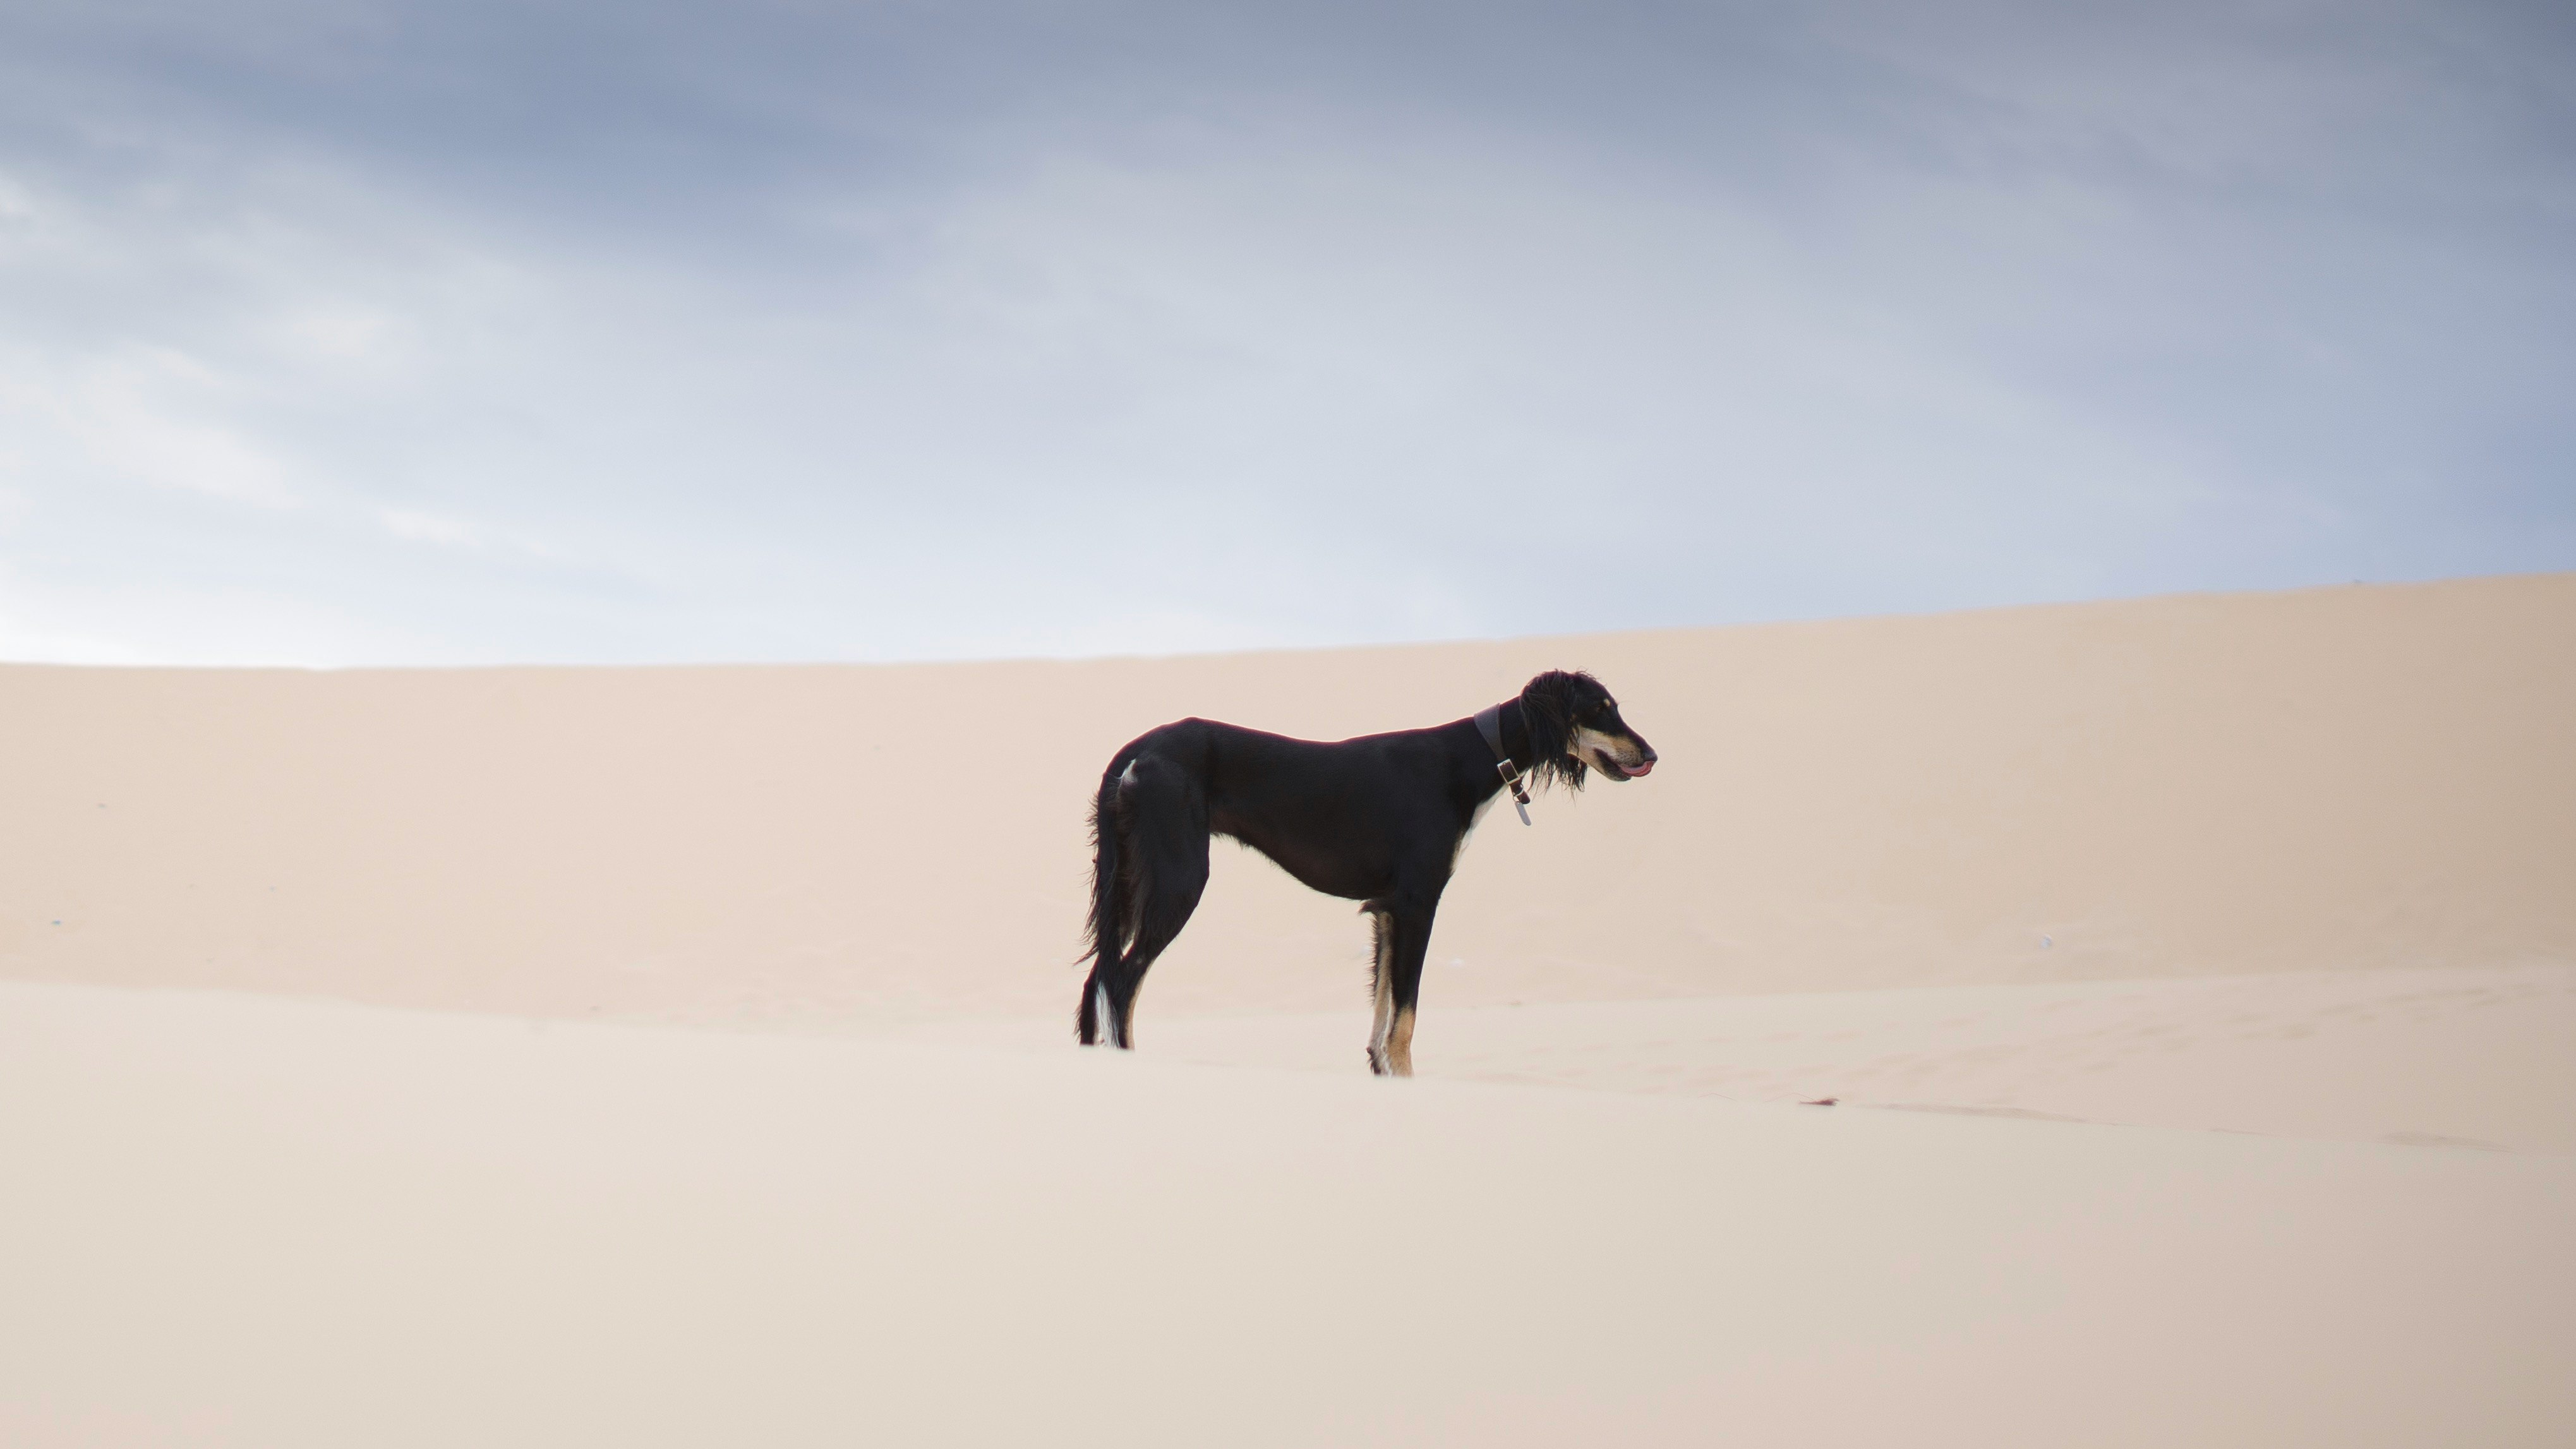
2315, 781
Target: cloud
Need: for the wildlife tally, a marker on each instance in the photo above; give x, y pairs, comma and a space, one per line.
429, 528
138, 417
796, 332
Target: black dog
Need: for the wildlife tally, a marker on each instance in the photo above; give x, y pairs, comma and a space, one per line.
1378, 820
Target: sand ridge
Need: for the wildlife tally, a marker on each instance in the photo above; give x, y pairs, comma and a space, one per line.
2325, 780
2463, 1056
680, 1056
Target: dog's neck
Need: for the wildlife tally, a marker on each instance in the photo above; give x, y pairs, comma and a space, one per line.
1510, 774
1505, 727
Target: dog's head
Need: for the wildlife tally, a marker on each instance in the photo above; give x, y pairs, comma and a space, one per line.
1575, 726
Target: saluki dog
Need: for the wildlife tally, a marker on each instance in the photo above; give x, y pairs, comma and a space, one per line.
1378, 820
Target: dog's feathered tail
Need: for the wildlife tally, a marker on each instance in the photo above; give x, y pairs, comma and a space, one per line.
1103, 939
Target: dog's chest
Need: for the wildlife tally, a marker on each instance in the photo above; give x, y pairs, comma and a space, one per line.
1475, 818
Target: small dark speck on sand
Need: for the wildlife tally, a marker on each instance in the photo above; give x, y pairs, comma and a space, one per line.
1820, 1102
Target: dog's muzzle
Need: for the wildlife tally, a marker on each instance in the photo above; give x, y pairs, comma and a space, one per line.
1612, 766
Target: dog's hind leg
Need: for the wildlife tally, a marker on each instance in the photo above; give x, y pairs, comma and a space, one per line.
1161, 818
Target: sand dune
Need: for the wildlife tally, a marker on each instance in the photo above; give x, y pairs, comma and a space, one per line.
2197, 978
2331, 780
259, 1223
2462, 1056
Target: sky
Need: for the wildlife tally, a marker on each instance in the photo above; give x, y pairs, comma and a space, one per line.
412, 333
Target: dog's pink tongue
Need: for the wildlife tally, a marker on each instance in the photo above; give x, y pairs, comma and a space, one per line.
1642, 767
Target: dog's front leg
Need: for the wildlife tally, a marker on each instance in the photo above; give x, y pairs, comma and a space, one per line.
1403, 932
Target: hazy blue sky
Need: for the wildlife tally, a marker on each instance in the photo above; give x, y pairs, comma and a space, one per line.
417, 332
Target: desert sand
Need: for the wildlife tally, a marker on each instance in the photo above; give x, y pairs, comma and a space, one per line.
682, 1055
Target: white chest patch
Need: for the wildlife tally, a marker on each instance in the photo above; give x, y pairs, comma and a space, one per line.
1473, 821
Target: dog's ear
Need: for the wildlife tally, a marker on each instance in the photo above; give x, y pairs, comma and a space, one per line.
1548, 706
